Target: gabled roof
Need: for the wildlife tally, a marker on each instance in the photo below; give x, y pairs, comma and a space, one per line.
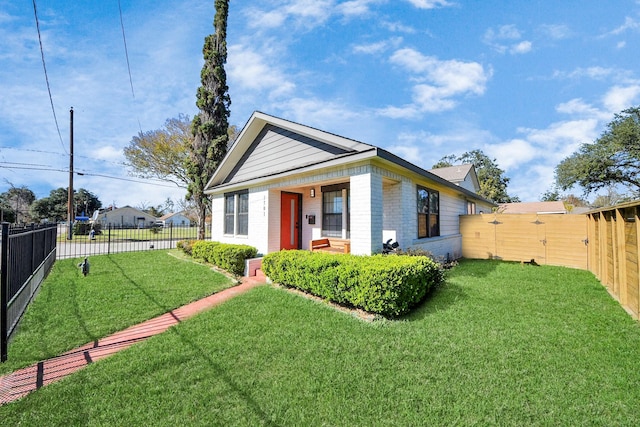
458, 174
279, 145
556, 207
171, 214
270, 147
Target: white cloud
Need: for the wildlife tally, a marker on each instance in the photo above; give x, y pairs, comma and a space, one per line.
507, 38
556, 31
512, 153
560, 139
630, 24
619, 98
318, 112
522, 47
577, 107
303, 13
398, 27
430, 4
356, 7
378, 47
504, 32
438, 82
251, 72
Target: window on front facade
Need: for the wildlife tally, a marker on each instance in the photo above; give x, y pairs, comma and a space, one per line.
332, 206
428, 213
236, 213
335, 210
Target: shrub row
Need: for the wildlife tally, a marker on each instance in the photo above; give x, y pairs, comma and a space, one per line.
226, 256
386, 285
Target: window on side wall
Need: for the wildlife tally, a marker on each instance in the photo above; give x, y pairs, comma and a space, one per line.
428, 212
471, 208
236, 213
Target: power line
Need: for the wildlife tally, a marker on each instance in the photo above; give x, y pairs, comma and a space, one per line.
126, 54
46, 76
63, 155
27, 166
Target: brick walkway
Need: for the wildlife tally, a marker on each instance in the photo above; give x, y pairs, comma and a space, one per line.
22, 382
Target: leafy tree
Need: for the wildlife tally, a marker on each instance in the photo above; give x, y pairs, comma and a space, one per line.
162, 153
54, 207
493, 183
610, 198
613, 159
573, 200
210, 125
16, 202
551, 195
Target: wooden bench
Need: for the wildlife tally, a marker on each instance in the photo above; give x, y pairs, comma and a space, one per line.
340, 246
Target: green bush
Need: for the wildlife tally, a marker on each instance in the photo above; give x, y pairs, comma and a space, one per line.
229, 257
84, 228
203, 249
186, 246
387, 285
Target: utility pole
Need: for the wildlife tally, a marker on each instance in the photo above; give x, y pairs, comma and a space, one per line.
70, 195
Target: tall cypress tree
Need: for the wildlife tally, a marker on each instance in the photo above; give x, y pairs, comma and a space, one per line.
211, 124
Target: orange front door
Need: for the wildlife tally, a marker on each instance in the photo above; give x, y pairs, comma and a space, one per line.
290, 221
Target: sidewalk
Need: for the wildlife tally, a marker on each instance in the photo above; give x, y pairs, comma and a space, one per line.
22, 382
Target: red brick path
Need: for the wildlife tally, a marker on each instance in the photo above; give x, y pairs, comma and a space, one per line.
22, 382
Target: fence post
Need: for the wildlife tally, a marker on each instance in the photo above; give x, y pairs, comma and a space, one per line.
171, 234
4, 284
109, 241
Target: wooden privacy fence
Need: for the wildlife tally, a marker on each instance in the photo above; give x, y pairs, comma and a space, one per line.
603, 241
553, 239
613, 254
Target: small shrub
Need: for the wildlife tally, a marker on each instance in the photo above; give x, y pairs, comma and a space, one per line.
228, 257
186, 246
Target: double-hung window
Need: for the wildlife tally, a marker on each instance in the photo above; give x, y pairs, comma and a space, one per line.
428, 212
335, 210
236, 213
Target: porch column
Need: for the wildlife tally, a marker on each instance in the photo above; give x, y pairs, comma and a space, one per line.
366, 213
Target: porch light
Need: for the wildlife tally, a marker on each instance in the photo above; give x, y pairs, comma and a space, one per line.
313, 192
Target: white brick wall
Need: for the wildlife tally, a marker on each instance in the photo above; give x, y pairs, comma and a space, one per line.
366, 213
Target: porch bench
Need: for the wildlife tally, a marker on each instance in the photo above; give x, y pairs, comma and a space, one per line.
340, 246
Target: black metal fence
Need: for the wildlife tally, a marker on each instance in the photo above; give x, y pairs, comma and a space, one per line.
26, 257
113, 239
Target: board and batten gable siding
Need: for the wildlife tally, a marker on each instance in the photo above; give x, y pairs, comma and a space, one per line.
468, 183
276, 150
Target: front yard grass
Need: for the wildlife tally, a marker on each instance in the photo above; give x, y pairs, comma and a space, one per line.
121, 290
499, 344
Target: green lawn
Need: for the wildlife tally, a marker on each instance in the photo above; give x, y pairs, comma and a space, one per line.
499, 344
121, 290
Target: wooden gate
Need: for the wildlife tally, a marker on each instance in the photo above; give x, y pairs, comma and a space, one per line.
552, 239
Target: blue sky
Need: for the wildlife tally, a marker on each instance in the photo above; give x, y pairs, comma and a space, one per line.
526, 82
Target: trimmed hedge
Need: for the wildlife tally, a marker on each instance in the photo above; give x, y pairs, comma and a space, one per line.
226, 256
386, 285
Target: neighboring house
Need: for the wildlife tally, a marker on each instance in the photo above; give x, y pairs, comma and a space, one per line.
178, 219
283, 184
556, 207
462, 175
126, 217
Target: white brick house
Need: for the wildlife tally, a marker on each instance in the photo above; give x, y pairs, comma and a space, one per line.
283, 184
